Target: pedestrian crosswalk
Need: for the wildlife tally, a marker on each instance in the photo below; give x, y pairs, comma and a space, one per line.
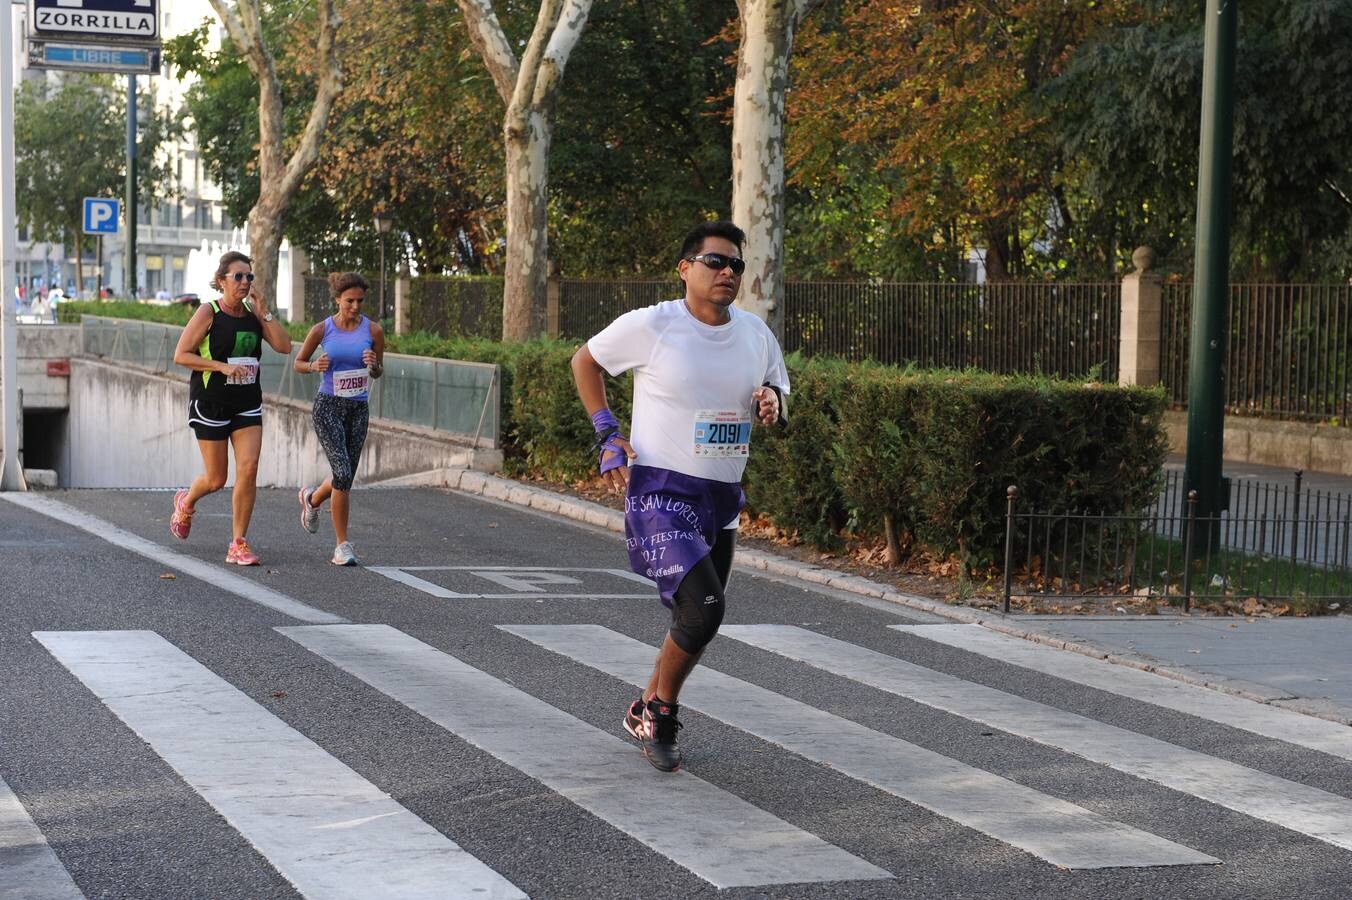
333, 833
329, 831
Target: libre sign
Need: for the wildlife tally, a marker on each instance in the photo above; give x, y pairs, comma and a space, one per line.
95, 20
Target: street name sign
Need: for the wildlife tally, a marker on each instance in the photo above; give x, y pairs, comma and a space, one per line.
100, 215
94, 20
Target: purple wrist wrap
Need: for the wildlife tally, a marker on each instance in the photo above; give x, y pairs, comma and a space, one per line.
607, 430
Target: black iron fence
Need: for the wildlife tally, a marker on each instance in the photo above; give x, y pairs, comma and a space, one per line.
1294, 554
1068, 330
1289, 353
457, 307
585, 306
318, 299
1061, 329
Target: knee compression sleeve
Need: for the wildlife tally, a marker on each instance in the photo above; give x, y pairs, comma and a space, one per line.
698, 608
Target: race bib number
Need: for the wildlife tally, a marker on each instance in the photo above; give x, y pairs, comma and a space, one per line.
721, 434
350, 382
250, 367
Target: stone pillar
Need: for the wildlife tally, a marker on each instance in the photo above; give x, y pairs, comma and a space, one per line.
1142, 302
300, 267
403, 288
553, 289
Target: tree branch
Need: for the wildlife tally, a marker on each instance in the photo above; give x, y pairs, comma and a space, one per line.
487, 36
330, 83
567, 32
524, 90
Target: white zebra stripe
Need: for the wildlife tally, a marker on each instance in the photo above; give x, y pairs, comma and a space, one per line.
722, 839
327, 830
28, 867
1052, 829
1147, 687
1309, 811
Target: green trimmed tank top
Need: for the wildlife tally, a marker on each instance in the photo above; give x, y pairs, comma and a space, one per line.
230, 338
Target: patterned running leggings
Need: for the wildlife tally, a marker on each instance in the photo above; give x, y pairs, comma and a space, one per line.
341, 424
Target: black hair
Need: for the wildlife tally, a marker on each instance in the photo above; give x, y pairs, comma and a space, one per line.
694, 240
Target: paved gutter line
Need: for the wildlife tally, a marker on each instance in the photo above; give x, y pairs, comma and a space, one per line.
504, 489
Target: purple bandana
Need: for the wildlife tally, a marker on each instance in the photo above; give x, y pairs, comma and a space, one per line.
671, 521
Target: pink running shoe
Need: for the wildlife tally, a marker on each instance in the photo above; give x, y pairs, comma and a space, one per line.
180, 523
241, 554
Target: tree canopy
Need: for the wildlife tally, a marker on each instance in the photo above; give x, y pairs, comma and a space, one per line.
1053, 138
70, 143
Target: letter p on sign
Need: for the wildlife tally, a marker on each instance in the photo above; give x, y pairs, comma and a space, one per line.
100, 215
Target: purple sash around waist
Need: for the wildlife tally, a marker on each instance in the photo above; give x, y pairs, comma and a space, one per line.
671, 521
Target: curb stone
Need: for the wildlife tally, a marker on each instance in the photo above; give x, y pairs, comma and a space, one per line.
495, 487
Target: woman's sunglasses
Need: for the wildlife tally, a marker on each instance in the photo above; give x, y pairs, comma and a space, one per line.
718, 262
242, 276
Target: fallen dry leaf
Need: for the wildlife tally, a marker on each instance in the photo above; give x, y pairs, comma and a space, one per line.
169, 576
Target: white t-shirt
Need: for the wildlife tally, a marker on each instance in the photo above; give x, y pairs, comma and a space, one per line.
692, 385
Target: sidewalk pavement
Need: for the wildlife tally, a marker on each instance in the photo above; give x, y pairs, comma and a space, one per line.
1309, 481
1299, 664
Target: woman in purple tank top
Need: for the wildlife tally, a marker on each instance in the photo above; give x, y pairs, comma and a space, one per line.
353, 353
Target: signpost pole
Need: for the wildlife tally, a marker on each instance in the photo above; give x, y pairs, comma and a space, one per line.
131, 188
11, 470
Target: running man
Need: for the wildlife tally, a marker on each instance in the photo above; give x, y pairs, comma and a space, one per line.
354, 353
704, 370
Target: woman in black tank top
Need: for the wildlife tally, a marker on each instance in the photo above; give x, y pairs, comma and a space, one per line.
223, 345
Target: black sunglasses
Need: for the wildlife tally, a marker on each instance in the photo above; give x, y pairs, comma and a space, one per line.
242, 276
719, 262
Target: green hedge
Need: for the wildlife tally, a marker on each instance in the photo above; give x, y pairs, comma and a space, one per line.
935, 451
68, 312
930, 451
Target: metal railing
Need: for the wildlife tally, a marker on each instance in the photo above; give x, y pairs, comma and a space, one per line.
1070, 330
1289, 353
1178, 556
451, 396
587, 306
1067, 330
456, 307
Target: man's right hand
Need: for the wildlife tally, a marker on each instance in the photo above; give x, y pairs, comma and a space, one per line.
617, 479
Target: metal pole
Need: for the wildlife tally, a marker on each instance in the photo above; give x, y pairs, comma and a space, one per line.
1011, 494
1188, 547
11, 471
382, 276
1211, 285
132, 193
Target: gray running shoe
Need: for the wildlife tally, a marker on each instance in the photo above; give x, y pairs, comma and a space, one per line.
658, 735
343, 555
309, 515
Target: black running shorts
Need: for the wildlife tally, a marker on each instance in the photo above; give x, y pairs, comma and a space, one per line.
212, 424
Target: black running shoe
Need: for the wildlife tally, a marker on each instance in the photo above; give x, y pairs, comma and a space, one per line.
633, 720
658, 735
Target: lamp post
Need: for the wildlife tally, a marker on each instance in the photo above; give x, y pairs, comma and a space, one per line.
384, 222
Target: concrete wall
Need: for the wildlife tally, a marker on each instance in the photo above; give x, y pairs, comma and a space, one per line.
128, 428
39, 344
1266, 442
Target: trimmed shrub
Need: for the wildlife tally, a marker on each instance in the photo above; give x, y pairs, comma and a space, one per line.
789, 474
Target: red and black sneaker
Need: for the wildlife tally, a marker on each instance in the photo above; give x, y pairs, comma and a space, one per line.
658, 735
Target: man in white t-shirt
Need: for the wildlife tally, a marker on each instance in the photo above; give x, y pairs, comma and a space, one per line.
704, 372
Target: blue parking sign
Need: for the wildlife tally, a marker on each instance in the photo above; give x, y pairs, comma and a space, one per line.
100, 215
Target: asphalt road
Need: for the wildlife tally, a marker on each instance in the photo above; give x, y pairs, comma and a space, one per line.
425, 726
